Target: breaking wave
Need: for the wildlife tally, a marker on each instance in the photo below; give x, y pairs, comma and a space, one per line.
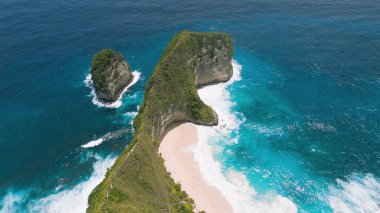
70, 200
95, 100
233, 185
109, 136
358, 194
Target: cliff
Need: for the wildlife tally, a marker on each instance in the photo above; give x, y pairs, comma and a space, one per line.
213, 64
138, 181
110, 74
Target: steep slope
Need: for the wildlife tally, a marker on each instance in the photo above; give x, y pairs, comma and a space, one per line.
138, 181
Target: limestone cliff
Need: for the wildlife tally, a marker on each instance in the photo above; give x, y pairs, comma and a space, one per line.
138, 181
110, 74
213, 65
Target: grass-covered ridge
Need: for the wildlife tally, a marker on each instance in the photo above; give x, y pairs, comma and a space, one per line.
138, 181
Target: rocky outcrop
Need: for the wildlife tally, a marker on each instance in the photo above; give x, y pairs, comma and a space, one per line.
214, 63
111, 74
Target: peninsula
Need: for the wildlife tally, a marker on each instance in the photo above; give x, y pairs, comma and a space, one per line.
139, 181
110, 73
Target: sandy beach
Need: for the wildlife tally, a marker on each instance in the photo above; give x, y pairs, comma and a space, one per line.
175, 149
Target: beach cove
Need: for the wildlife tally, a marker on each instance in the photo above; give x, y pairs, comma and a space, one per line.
176, 149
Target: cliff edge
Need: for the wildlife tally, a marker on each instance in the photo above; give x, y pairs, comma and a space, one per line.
138, 181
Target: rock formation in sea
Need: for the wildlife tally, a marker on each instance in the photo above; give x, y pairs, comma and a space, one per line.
110, 73
138, 181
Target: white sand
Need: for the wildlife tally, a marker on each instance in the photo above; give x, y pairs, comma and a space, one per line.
175, 149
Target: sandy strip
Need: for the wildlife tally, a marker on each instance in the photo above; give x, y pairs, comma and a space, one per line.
175, 149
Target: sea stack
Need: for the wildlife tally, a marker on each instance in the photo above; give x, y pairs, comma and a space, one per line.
110, 73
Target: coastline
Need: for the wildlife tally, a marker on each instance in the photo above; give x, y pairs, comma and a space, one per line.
233, 186
185, 145
176, 149
139, 181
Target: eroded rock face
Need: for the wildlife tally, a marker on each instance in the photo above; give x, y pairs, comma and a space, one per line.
110, 74
214, 63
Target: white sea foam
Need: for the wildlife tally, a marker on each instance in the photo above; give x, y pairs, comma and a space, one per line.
358, 194
95, 100
10, 202
69, 200
131, 115
96, 142
75, 199
233, 185
109, 136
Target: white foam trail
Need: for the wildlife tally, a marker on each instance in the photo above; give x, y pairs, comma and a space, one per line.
75, 199
95, 100
131, 115
109, 136
96, 142
10, 202
233, 185
358, 194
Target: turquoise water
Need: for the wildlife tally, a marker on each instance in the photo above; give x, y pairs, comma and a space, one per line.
308, 96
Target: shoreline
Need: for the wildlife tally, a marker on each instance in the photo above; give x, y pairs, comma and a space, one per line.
177, 149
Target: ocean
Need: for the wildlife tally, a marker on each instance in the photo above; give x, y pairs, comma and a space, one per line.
300, 119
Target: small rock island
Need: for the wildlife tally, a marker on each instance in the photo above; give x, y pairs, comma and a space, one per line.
111, 74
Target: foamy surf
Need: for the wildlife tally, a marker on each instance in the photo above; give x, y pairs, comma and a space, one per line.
358, 194
96, 142
233, 185
96, 101
109, 136
69, 200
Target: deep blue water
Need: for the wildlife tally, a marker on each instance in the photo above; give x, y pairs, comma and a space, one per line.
310, 92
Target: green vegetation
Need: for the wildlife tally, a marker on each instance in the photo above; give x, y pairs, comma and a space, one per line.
138, 181
100, 62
